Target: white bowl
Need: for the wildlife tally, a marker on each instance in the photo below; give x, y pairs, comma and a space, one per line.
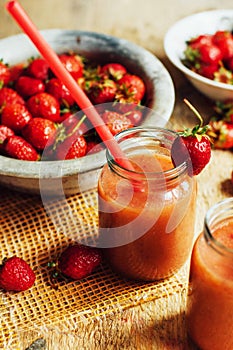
71, 176
189, 27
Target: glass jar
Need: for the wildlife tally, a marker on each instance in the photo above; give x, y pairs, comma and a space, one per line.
146, 215
210, 298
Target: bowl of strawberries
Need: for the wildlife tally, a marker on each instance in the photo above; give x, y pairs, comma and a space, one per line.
201, 47
47, 143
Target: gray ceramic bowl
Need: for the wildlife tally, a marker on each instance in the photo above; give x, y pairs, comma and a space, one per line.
71, 176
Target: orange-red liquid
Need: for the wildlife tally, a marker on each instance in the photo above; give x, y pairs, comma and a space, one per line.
210, 301
163, 215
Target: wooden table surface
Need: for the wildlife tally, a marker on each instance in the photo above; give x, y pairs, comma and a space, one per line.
159, 324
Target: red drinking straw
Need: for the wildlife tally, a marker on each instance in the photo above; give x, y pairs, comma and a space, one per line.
20, 16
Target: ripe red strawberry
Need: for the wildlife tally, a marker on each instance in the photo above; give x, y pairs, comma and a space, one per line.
131, 89
57, 89
94, 147
72, 147
193, 146
222, 134
135, 116
73, 123
79, 261
16, 116
44, 105
102, 92
9, 96
18, 148
116, 122
16, 275
39, 132
224, 41
16, 71
38, 68
208, 70
204, 51
5, 75
5, 133
73, 64
113, 71
27, 86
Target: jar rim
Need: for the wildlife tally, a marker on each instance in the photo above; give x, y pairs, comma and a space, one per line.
168, 174
217, 213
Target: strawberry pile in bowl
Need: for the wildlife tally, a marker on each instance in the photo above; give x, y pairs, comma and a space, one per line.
201, 47
46, 142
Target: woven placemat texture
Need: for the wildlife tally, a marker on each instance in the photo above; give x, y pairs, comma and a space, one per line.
38, 232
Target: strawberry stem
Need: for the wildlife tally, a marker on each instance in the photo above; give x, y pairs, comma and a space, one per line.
195, 111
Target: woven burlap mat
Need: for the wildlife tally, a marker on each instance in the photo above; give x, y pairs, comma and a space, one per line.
38, 232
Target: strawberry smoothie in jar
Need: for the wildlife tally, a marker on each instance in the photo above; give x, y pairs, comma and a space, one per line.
146, 215
210, 298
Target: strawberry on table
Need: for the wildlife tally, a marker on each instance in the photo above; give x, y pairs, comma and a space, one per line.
27, 86
39, 132
44, 105
17, 147
16, 116
79, 261
193, 146
16, 275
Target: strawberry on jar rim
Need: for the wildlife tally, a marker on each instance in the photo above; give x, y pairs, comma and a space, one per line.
192, 146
